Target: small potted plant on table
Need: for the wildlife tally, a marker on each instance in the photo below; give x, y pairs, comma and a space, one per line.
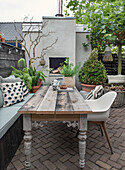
68, 72
92, 72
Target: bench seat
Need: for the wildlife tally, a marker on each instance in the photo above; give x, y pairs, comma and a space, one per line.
8, 115
11, 131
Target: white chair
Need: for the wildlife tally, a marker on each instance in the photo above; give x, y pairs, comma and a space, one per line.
101, 110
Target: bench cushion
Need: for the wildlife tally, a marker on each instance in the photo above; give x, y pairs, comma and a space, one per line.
9, 80
9, 115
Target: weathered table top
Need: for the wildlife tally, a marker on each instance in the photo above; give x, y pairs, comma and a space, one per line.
54, 103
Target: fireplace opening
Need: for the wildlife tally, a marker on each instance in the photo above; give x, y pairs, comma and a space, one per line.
55, 64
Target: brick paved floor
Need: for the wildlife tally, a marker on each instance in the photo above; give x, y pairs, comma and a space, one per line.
55, 147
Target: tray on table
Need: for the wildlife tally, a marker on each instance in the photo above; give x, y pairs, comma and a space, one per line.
66, 90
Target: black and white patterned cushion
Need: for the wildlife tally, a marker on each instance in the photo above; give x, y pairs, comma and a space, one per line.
96, 93
12, 93
25, 90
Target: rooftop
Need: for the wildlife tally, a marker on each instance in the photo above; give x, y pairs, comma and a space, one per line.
8, 31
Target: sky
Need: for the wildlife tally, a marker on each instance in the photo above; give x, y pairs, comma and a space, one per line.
16, 10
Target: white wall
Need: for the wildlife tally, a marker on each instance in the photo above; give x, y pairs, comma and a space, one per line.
82, 53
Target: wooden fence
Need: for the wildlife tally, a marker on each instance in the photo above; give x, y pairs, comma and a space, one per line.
112, 66
9, 56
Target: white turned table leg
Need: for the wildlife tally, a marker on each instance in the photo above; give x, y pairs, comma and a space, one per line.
82, 139
27, 127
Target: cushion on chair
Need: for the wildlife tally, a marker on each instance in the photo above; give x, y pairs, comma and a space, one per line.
96, 93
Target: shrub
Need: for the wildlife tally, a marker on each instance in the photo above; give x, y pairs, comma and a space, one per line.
93, 71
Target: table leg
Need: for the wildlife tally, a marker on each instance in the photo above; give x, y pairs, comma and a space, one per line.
27, 127
82, 139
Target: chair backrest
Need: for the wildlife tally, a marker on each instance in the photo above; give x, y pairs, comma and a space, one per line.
103, 103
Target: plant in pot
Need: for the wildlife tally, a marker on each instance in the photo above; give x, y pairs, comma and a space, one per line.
68, 72
36, 76
92, 72
29, 76
42, 76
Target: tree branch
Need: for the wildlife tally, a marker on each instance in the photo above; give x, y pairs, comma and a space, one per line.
44, 49
33, 42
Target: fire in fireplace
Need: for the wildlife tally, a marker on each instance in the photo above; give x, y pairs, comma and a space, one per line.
55, 64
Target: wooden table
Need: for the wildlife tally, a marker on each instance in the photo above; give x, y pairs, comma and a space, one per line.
49, 105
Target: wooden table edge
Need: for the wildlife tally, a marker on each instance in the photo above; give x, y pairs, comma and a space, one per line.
55, 112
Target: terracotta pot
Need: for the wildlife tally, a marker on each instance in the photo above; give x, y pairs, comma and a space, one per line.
68, 81
39, 81
35, 88
3, 40
87, 87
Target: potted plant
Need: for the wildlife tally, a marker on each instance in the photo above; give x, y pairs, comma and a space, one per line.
92, 72
68, 72
37, 77
30, 76
3, 39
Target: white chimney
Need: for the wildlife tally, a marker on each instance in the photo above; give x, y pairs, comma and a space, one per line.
60, 8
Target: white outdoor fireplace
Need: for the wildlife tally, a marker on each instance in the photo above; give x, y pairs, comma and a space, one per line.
70, 38
63, 29
55, 65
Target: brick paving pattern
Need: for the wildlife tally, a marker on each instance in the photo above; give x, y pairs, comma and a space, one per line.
55, 147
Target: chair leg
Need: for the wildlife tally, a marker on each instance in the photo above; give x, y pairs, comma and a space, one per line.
106, 134
100, 128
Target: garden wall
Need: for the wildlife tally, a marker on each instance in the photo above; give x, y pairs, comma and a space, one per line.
9, 56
